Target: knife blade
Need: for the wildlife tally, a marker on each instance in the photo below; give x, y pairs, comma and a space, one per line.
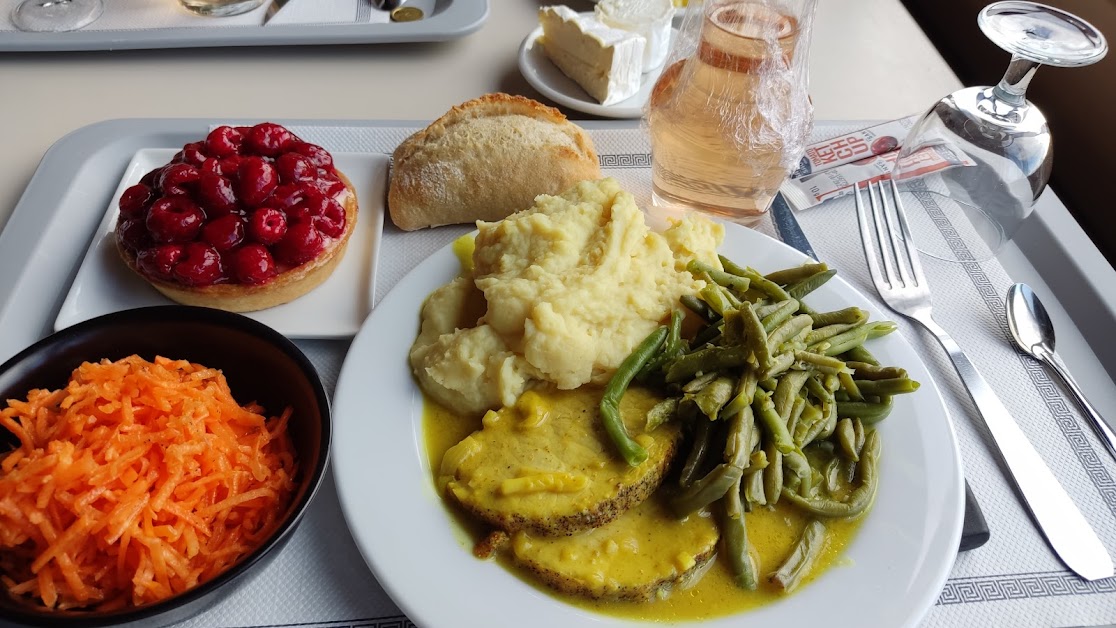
974, 530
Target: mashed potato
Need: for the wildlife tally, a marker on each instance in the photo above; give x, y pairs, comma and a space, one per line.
571, 286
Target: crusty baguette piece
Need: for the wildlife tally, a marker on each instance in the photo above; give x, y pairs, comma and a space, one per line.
485, 159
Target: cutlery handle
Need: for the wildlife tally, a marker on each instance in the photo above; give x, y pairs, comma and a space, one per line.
1058, 518
1099, 426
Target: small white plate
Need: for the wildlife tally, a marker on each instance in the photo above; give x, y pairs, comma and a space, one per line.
892, 571
544, 76
104, 284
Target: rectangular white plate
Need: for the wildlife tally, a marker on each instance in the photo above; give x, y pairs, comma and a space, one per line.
335, 309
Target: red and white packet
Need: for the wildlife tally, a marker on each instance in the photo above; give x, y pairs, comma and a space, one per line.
836, 182
835, 151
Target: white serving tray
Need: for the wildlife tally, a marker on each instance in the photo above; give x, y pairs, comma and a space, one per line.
449, 19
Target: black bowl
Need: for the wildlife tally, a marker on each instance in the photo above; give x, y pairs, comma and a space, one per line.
259, 363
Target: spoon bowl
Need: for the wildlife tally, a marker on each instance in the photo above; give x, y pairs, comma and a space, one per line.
1033, 332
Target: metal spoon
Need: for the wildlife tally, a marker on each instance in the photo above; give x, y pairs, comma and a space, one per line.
1031, 327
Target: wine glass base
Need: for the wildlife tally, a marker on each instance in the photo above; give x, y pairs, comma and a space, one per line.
952, 230
56, 16
220, 8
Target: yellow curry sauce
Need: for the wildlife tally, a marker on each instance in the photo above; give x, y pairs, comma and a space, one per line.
771, 532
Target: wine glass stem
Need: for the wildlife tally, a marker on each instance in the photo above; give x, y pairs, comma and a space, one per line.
1013, 87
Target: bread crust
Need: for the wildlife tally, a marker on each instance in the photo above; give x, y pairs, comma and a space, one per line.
284, 287
485, 159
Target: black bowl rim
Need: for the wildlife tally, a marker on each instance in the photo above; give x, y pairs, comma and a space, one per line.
220, 318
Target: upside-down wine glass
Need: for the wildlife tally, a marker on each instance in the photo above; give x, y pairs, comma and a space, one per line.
973, 166
56, 15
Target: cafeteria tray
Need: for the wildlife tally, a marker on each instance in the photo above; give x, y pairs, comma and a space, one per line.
449, 19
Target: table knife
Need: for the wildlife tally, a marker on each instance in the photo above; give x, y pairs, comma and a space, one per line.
974, 531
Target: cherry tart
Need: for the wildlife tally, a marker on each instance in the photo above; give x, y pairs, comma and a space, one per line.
249, 218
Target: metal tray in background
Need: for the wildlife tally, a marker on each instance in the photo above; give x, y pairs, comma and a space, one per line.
450, 19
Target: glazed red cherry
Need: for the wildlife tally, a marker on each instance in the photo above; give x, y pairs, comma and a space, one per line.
286, 196
317, 155
294, 167
192, 153
224, 233
200, 265
133, 234
267, 225
257, 180
301, 244
178, 179
331, 221
151, 179
328, 185
224, 141
135, 199
270, 139
174, 219
216, 194
159, 262
253, 264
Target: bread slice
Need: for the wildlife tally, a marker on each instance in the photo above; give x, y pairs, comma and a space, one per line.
485, 159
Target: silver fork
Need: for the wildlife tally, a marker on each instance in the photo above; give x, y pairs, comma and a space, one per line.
897, 274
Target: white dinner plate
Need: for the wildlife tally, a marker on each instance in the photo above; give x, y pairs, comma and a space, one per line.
335, 309
896, 565
544, 76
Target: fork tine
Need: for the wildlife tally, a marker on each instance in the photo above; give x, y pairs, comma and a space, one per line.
902, 251
870, 243
908, 240
882, 230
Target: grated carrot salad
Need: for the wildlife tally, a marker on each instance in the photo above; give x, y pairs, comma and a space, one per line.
135, 482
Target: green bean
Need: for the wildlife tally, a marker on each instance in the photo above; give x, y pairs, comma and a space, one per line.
860, 354
796, 273
881, 328
633, 452
709, 334
699, 307
848, 385
767, 309
847, 316
766, 286
806, 433
893, 386
704, 361
844, 341
787, 330
672, 347
832, 475
706, 490
795, 414
715, 298
869, 412
738, 443
757, 461
783, 311
720, 277
699, 450
773, 474
753, 487
804, 287
735, 535
745, 390
731, 266
802, 558
661, 413
859, 435
699, 382
733, 331
860, 498
796, 462
846, 438
820, 363
787, 391
864, 370
756, 337
713, 397
779, 365
772, 423
820, 333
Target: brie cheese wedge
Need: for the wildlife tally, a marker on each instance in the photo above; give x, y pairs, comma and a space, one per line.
606, 62
649, 18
